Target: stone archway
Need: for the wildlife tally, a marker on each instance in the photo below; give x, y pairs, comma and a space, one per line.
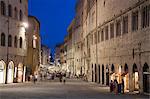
2, 71
92, 74
146, 78
113, 76
135, 76
103, 74
95, 73
10, 72
107, 75
126, 78
20, 73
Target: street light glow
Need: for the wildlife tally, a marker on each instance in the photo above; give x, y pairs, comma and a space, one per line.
26, 25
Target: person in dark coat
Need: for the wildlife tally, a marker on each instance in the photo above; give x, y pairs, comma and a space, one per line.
111, 86
122, 86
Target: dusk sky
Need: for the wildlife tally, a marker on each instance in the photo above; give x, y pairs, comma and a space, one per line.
54, 16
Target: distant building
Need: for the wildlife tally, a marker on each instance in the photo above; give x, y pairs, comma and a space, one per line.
45, 55
13, 40
34, 46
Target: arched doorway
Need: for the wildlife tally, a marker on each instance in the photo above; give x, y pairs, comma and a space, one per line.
102, 74
112, 72
126, 78
10, 72
135, 76
95, 73
99, 74
2, 72
146, 78
92, 74
107, 75
20, 72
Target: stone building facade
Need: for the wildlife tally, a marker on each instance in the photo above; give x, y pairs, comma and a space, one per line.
112, 38
45, 55
13, 42
34, 46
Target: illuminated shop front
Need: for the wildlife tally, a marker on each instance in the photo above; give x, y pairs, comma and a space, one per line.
125, 76
2, 72
10, 72
112, 74
20, 73
146, 78
135, 76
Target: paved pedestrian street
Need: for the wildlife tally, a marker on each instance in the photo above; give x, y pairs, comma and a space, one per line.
73, 89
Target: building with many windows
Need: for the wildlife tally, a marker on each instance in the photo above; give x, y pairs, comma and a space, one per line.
112, 41
13, 42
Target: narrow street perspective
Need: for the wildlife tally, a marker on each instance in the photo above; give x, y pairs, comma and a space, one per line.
74, 49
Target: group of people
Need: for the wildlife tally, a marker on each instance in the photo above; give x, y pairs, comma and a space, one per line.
117, 87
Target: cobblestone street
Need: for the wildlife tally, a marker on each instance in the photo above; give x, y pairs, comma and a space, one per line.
73, 89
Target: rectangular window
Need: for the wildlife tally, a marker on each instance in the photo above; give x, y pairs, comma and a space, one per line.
145, 17
98, 36
125, 24
112, 30
95, 37
135, 21
102, 35
92, 39
118, 28
106, 33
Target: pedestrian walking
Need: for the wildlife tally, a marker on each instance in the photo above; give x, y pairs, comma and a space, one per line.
122, 86
116, 86
111, 86
60, 77
64, 78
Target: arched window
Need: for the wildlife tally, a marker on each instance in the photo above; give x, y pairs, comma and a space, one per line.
9, 10
15, 42
3, 8
2, 39
20, 43
9, 41
16, 13
20, 15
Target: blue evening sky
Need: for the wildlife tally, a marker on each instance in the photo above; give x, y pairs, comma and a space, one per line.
54, 16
